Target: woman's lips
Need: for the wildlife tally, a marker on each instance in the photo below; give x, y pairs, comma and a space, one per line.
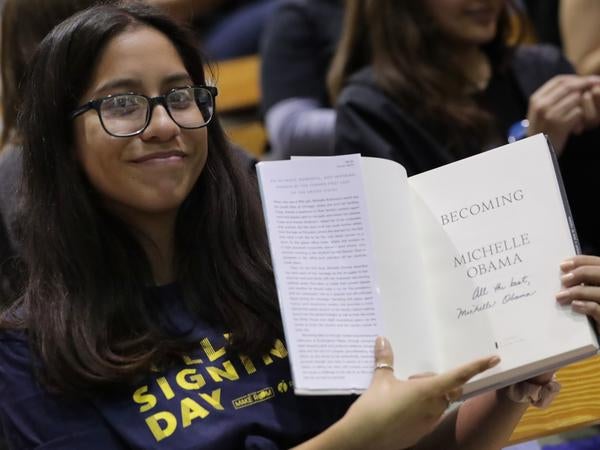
482, 14
158, 157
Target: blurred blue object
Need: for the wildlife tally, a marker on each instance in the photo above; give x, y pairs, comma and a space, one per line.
590, 443
531, 445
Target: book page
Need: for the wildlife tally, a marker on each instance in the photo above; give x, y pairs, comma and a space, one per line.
493, 232
400, 271
318, 228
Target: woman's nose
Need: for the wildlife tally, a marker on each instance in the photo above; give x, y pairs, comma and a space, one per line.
161, 126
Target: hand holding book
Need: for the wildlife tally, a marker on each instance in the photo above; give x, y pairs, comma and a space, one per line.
394, 413
581, 282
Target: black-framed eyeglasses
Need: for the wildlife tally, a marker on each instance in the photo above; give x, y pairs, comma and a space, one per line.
125, 115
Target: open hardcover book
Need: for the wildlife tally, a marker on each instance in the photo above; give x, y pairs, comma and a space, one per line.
451, 265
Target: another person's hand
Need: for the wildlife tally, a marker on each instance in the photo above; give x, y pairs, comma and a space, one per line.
396, 414
538, 391
542, 379
564, 105
590, 102
581, 281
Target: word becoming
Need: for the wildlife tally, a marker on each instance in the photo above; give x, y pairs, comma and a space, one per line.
482, 207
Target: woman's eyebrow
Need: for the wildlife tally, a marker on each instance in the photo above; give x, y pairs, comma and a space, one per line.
182, 77
128, 84
133, 84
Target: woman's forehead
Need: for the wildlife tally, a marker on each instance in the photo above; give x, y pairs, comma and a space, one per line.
142, 57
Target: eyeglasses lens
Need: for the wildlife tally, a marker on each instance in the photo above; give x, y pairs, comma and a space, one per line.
127, 114
190, 107
124, 114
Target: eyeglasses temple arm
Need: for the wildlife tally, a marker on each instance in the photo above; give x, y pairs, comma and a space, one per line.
81, 110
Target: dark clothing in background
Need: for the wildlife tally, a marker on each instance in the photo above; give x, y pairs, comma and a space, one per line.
236, 29
6, 253
297, 48
543, 15
10, 175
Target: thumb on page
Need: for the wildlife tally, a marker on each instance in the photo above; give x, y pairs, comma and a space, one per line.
384, 359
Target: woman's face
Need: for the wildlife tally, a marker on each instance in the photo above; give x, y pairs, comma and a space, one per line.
470, 22
151, 173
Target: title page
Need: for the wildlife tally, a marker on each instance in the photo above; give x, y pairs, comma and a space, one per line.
494, 230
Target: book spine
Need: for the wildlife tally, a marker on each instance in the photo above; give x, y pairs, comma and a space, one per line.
571, 222
563, 195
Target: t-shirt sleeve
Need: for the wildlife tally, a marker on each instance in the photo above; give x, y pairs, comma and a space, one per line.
290, 67
32, 418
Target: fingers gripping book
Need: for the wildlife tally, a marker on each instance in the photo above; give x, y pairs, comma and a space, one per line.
453, 264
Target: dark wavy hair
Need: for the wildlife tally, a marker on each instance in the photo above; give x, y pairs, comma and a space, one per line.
86, 306
413, 63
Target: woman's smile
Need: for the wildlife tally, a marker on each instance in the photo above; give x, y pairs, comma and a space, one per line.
169, 157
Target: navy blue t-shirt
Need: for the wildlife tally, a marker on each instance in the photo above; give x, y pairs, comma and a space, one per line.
212, 400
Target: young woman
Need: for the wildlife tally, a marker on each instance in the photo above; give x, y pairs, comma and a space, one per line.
149, 318
443, 83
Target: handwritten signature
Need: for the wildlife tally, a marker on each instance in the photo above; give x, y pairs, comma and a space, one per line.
484, 304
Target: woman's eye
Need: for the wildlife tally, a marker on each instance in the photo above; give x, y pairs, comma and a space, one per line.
180, 99
121, 105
